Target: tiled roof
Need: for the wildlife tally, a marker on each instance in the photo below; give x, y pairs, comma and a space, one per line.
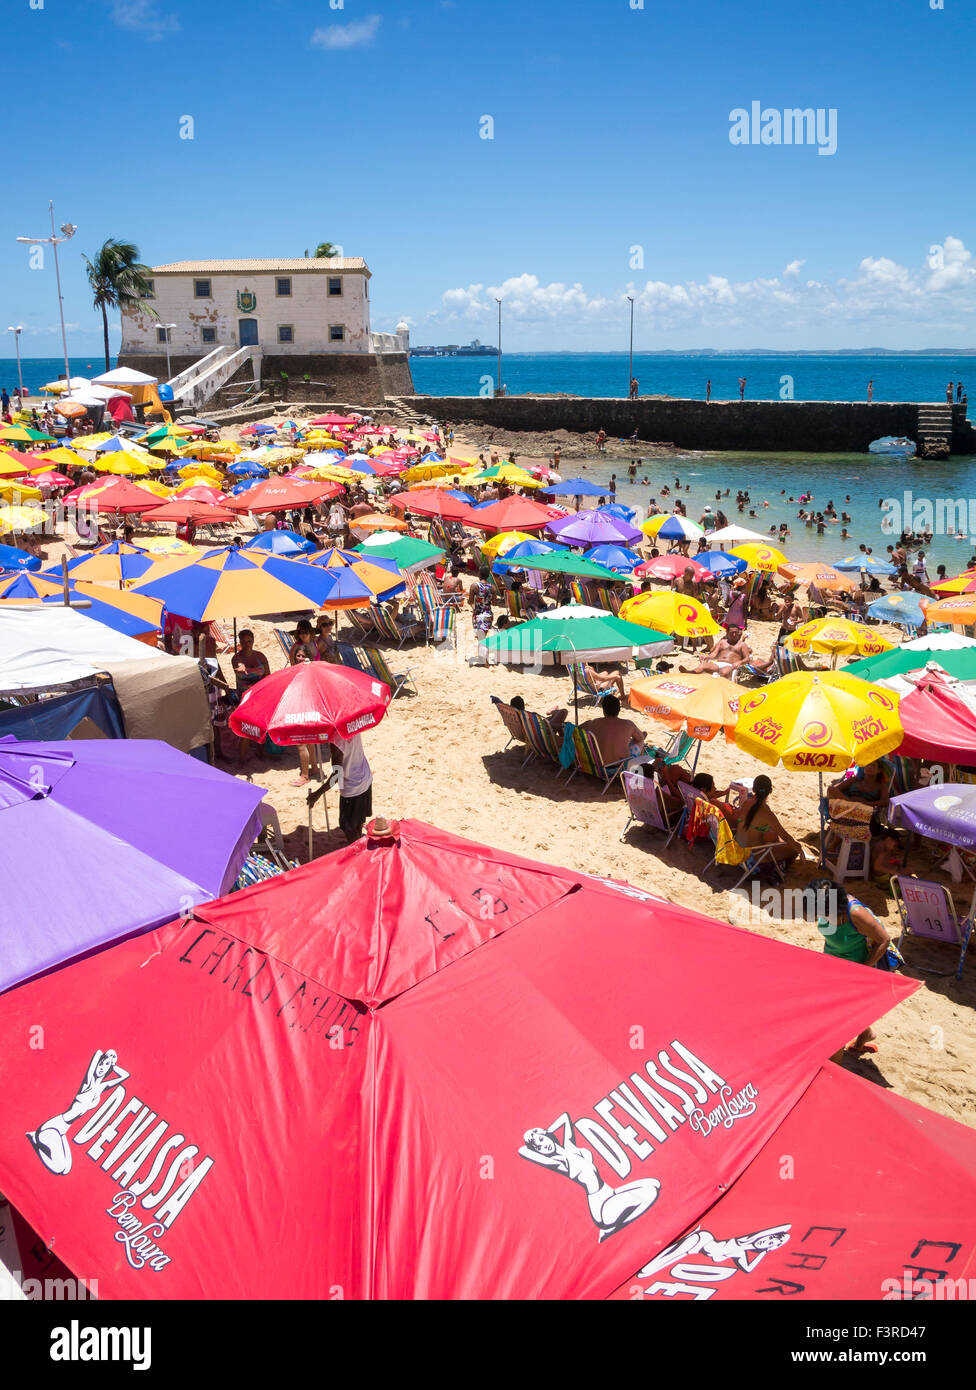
298, 263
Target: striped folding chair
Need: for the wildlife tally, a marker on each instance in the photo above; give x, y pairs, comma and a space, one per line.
388, 626
286, 641
540, 738
586, 685
513, 604
361, 622
375, 661
645, 803
440, 625
589, 759
514, 722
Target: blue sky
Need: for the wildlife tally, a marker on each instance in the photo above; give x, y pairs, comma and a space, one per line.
361, 124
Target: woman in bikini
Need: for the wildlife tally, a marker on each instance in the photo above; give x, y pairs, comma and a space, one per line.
611, 1208
759, 826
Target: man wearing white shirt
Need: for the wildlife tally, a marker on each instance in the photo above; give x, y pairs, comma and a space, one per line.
355, 785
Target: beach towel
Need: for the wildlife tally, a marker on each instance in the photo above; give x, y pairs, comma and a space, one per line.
567, 754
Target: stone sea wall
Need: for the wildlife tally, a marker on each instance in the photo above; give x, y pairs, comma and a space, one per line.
365, 377
775, 426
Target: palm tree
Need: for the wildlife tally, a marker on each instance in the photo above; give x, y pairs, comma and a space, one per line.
119, 280
326, 249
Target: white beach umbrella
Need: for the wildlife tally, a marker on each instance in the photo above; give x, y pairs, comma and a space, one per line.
736, 533
107, 393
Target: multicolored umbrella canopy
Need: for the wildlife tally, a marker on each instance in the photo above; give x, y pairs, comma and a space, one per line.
313, 702
110, 837
672, 528
825, 1234
230, 583
615, 557
593, 528
938, 716
899, 661
672, 567
524, 550
575, 633
356, 574
119, 609
819, 722
381, 1019
115, 563
964, 583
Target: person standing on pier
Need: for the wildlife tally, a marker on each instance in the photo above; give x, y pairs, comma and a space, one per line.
708, 391
958, 390
742, 388
949, 394
871, 391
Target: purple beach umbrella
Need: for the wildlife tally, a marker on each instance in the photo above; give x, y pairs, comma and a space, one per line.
593, 528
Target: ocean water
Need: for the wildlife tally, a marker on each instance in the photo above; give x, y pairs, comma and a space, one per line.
810, 378
771, 478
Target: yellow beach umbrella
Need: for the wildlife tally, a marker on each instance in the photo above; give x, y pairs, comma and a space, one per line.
504, 473
665, 611
16, 434
17, 518
88, 441
201, 469
167, 545
764, 558
61, 457
819, 722
839, 636
497, 545
11, 466
14, 491
420, 471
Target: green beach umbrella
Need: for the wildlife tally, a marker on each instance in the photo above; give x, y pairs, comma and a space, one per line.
959, 662
565, 562
409, 553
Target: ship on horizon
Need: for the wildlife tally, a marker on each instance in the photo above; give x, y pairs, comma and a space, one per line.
474, 349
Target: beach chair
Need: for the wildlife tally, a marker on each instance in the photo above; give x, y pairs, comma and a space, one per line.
678, 750
389, 626
350, 657
222, 635
578, 590
593, 690
513, 604
361, 621
540, 738
514, 722
927, 910
607, 598
589, 760
441, 624
645, 803
729, 853
286, 641
376, 663
689, 795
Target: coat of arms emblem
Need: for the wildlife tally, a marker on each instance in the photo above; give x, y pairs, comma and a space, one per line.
247, 301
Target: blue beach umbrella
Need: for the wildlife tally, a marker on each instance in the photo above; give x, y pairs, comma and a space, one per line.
13, 559
618, 509
615, 557
248, 468
243, 487
280, 543
869, 563
232, 583
720, 564
575, 487
461, 496
903, 609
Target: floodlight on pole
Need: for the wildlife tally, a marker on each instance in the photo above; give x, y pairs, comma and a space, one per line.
68, 230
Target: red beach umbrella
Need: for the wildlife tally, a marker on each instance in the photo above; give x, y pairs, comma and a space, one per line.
938, 722
311, 703
280, 494
298, 1088
119, 496
512, 514
190, 509
432, 502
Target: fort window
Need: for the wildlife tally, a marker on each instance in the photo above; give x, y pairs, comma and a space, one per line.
208, 335
283, 286
162, 335
337, 333
286, 333
150, 291
335, 284
201, 289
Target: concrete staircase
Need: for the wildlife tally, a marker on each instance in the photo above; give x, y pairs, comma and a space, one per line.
194, 386
934, 431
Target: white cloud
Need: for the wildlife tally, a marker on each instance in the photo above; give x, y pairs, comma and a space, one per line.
355, 34
938, 295
143, 17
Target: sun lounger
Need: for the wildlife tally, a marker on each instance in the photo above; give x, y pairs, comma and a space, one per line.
729, 852
927, 910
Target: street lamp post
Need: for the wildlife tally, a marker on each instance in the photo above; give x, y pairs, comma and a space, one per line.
630, 375
16, 331
68, 230
498, 390
166, 328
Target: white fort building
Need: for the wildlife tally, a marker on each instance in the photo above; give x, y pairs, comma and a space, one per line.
261, 321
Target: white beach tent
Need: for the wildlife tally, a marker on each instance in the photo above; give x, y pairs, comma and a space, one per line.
124, 376
161, 696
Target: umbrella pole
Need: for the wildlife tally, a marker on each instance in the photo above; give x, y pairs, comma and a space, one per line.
64, 579
575, 695
823, 832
